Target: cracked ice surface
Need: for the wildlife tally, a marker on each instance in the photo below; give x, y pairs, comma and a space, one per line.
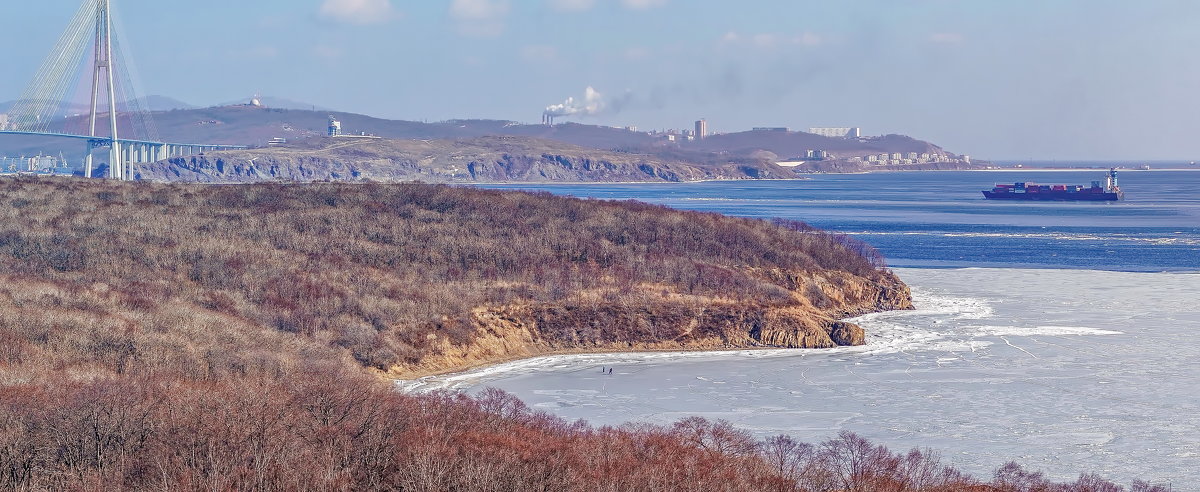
1064, 371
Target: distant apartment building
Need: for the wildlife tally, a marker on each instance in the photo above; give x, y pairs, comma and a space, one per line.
836, 132
901, 158
336, 131
3, 122
701, 128
37, 164
781, 129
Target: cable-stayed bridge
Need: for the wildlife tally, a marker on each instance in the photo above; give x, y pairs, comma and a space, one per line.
117, 119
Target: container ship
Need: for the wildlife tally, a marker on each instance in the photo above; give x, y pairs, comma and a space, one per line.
1100, 191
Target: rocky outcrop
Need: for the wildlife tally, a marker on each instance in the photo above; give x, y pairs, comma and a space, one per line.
474, 160
672, 322
847, 334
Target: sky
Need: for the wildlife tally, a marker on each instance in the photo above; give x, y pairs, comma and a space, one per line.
996, 79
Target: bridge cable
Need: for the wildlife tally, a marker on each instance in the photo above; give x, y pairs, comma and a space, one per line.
42, 100
141, 119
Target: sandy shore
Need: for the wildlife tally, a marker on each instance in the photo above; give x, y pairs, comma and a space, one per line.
584, 359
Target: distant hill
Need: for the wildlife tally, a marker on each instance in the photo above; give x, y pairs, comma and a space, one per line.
164, 103
276, 103
151, 103
254, 126
794, 145
65, 109
243, 124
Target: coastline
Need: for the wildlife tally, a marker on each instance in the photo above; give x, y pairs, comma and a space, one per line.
842, 392
468, 375
809, 176
800, 177
600, 183
426, 382
418, 381
930, 377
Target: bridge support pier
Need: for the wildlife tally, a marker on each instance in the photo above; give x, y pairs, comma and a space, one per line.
124, 154
114, 161
87, 161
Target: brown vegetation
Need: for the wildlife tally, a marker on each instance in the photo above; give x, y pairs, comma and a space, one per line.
321, 427
215, 338
401, 278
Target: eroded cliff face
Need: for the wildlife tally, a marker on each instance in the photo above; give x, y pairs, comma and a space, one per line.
668, 321
479, 160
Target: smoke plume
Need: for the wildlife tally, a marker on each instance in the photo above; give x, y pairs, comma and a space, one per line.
592, 103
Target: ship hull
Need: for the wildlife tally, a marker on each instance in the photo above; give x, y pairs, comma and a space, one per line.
1051, 196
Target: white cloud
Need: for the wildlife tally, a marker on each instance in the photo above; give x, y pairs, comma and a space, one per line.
479, 9
585, 5
359, 11
769, 40
484, 18
572, 5
643, 4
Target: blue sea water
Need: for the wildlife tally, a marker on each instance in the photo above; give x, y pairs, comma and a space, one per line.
940, 219
1058, 335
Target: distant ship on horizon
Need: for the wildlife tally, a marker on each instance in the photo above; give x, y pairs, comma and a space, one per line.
1100, 191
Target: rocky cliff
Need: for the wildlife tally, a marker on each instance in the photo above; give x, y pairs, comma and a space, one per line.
668, 321
471, 160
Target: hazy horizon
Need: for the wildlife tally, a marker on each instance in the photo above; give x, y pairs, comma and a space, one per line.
1067, 80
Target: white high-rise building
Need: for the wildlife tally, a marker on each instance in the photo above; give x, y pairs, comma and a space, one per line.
837, 132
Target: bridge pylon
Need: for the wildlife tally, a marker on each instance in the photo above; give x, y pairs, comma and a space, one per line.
104, 63
38, 112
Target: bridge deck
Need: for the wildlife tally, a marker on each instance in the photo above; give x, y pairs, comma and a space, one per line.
125, 141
